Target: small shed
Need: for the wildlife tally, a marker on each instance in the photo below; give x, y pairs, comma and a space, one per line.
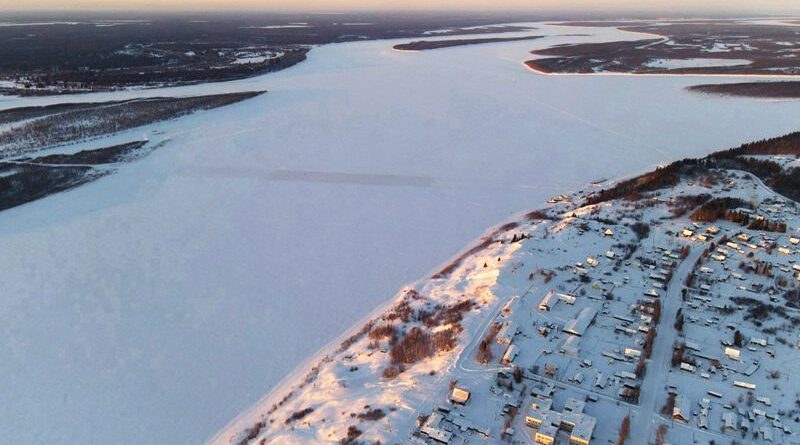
729, 421
681, 410
733, 353
460, 396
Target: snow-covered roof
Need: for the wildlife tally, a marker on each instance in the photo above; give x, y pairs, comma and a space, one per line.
432, 430
507, 333
548, 301
574, 405
459, 395
578, 325
682, 408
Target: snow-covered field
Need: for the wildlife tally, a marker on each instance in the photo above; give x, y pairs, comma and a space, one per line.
305, 25
672, 64
156, 304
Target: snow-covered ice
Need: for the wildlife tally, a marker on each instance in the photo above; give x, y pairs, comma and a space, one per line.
154, 305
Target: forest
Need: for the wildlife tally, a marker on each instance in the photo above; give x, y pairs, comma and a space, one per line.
783, 89
26, 180
783, 181
62, 124
101, 53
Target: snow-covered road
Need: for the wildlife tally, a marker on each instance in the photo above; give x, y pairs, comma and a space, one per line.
653, 394
154, 305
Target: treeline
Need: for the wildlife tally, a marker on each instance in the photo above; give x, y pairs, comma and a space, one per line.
27, 180
730, 209
107, 155
23, 113
633, 189
788, 144
790, 89
30, 182
418, 344
103, 119
785, 182
719, 208
414, 335
420, 45
134, 76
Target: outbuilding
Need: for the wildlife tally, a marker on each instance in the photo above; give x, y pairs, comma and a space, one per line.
431, 429
733, 353
460, 396
510, 355
744, 385
506, 334
681, 410
548, 302
729, 421
578, 325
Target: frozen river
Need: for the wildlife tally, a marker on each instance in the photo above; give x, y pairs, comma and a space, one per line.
154, 305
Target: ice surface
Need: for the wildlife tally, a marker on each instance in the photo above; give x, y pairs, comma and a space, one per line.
154, 305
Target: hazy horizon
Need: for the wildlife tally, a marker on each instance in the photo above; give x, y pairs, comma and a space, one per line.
678, 7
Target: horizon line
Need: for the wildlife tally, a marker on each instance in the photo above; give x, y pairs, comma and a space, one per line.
613, 13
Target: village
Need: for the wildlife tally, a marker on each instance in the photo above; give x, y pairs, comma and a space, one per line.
665, 317
685, 334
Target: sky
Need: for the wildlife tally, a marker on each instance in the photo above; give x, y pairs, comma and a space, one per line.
700, 6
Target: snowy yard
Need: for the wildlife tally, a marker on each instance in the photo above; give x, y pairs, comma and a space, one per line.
672, 64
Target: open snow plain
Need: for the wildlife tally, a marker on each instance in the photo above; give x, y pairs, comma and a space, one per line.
154, 305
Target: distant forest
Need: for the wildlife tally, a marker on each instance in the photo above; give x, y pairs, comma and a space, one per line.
782, 89
420, 45
99, 54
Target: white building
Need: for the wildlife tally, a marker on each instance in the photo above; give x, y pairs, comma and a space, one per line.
431, 429
548, 302
729, 421
548, 422
733, 353
632, 352
510, 355
510, 306
460, 396
682, 409
578, 325
507, 332
566, 298
744, 385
